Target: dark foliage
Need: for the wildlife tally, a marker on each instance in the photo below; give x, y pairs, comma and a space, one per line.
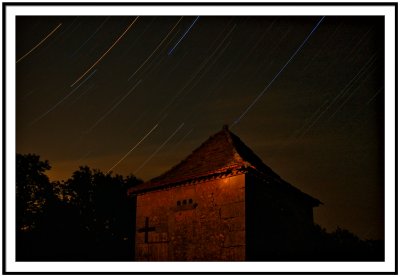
342, 245
33, 190
86, 218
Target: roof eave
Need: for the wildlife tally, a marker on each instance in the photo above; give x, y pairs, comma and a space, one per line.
166, 184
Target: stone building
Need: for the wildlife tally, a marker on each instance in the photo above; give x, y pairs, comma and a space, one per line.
221, 203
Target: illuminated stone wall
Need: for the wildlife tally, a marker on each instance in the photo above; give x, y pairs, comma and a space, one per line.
203, 221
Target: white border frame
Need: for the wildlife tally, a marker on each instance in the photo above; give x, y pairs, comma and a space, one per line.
390, 155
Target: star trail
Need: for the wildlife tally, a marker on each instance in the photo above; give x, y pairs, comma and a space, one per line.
277, 75
64, 98
133, 148
105, 53
305, 93
155, 50
184, 35
42, 41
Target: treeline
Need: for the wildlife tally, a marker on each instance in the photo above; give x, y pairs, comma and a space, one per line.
85, 218
342, 245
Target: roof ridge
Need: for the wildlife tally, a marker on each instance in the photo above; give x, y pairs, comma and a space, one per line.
231, 141
221, 150
188, 156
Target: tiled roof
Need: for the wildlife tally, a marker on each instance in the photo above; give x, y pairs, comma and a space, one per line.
219, 154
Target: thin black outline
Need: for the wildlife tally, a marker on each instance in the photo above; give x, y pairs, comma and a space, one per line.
4, 6
199, 4
396, 86
4, 137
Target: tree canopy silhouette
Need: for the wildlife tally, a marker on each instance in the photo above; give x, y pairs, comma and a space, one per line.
33, 189
87, 217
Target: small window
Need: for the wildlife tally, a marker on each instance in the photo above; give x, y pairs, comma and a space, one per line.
178, 203
184, 202
190, 201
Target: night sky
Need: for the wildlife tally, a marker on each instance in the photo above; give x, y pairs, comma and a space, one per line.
138, 94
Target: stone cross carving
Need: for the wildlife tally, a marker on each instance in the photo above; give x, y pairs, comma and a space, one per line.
146, 229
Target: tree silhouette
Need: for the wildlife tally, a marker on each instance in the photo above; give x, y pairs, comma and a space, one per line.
34, 199
33, 191
343, 245
85, 218
106, 214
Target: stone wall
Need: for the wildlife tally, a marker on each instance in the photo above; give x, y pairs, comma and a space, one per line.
194, 222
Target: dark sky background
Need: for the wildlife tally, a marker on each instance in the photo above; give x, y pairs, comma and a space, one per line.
307, 98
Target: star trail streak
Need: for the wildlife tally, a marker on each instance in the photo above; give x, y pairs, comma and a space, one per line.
89, 38
113, 107
29, 93
158, 149
348, 97
139, 37
276, 76
155, 50
63, 99
180, 141
199, 76
190, 27
195, 74
374, 96
254, 47
322, 48
83, 93
105, 53
337, 97
133, 148
37, 45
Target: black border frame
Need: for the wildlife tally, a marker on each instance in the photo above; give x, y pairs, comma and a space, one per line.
4, 7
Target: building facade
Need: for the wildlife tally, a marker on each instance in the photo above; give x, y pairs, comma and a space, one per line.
221, 203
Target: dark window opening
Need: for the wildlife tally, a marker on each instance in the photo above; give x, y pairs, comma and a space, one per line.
184, 202
178, 203
190, 201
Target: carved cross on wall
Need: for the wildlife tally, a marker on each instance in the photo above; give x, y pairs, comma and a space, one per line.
146, 229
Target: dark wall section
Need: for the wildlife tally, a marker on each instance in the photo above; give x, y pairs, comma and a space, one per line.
279, 222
